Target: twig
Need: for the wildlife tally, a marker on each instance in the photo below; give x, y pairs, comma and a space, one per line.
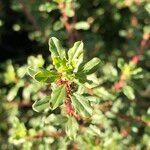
133, 119
106, 106
29, 16
69, 26
21, 104
43, 134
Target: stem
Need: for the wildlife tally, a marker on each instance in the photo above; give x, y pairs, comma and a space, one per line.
69, 26
68, 104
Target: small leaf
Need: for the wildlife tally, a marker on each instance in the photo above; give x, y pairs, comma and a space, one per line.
12, 93
56, 48
41, 105
129, 92
81, 105
35, 62
48, 7
120, 63
103, 93
71, 128
93, 99
75, 54
31, 72
58, 25
14, 90
82, 25
58, 96
46, 76
56, 119
91, 66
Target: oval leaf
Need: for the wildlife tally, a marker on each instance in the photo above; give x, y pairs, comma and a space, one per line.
46, 76
58, 96
91, 66
71, 128
75, 54
129, 92
42, 104
82, 105
56, 48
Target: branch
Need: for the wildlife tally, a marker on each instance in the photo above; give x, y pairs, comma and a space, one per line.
29, 16
69, 26
137, 119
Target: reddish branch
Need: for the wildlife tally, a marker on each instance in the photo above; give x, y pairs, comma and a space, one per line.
68, 104
42, 134
135, 59
122, 81
69, 26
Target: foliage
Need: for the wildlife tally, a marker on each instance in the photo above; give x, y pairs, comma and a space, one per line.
92, 96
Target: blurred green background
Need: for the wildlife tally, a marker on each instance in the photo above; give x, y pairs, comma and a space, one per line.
110, 29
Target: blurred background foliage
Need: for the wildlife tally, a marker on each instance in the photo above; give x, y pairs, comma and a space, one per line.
110, 30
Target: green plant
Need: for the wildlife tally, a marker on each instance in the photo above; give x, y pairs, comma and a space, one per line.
115, 113
67, 78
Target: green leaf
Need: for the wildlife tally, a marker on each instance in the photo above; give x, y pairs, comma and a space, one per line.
103, 93
91, 66
14, 90
93, 99
48, 7
69, 12
31, 72
56, 119
56, 48
129, 92
58, 96
46, 76
10, 74
75, 54
71, 128
35, 62
120, 63
12, 93
82, 25
94, 130
81, 105
58, 25
41, 105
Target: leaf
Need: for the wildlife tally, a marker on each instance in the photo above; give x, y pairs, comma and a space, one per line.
71, 128
58, 25
12, 93
81, 105
10, 74
56, 48
46, 76
94, 130
93, 99
41, 105
82, 25
48, 7
91, 66
56, 119
31, 72
75, 54
14, 90
58, 96
35, 62
129, 92
120, 63
103, 94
